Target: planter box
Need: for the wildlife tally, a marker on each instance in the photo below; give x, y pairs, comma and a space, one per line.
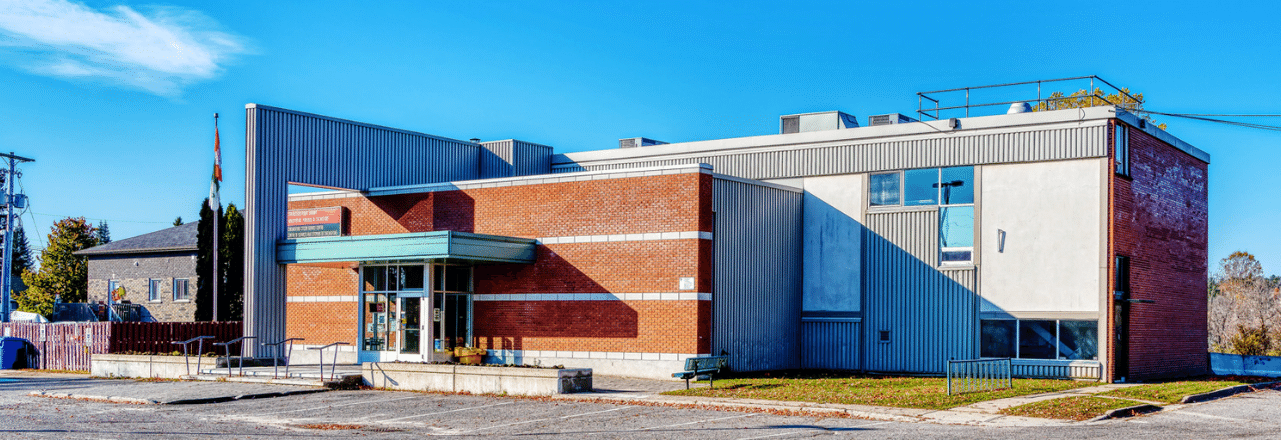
476, 379
126, 365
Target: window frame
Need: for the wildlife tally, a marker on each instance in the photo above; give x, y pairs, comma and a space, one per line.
899, 175
186, 288
1017, 348
1121, 150
154, 290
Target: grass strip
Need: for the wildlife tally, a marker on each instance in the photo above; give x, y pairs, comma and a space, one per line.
1172, 392
901, 392
1069, 408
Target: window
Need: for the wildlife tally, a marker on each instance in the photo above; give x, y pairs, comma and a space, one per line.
1122, 150
1039, 339
1122, 281
951, 189
153, 290
884, 189
180, 292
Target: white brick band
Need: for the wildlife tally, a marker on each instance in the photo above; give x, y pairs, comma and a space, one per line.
667, 296
688, 235
321, 299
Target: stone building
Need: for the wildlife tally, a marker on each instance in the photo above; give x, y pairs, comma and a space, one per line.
156, 270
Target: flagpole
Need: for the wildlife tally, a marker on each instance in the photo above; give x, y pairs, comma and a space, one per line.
216, 220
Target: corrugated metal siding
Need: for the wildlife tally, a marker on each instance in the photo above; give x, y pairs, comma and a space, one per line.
1057, 369
940, 151
529, 159
286, 146
831, 345
496, 159
756, 297
932, 315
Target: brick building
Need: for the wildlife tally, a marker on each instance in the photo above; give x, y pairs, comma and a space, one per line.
1073, 241
156, 270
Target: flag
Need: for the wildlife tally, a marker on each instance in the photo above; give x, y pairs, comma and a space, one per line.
214, 202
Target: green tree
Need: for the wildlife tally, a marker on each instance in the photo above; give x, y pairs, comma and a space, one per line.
177, 221
61, 273
104, 234
204, 264
21, 252
34, 300
231, 256
1082, 99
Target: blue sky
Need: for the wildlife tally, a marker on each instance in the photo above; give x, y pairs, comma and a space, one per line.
115, 100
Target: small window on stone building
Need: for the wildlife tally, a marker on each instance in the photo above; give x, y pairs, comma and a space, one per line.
180, 292
153, 290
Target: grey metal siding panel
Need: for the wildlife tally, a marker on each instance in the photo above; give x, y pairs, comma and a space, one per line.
1039, 145
496, 159
756, 296
531, 159
830, 345
932, 315
284, 146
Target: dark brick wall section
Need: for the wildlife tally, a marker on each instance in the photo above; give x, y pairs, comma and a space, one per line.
1160, 220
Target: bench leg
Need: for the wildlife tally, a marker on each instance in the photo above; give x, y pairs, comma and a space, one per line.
687, 383
711, 381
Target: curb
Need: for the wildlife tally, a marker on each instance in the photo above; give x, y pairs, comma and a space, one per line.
137, 401
1229, 391
112, 399
1129, 411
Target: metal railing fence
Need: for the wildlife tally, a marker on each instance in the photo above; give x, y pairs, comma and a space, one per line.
976, 375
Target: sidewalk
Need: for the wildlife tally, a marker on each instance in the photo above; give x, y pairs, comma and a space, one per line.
646, 391
80, 386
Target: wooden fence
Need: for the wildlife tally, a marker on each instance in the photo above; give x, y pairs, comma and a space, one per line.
68, 345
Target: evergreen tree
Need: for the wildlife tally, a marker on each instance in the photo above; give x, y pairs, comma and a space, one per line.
61, 273
204, 264
104, 235
177, 221
231, 256
22, 260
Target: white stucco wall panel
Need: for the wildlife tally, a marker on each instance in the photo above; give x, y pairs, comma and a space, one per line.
833, 211
1051, 213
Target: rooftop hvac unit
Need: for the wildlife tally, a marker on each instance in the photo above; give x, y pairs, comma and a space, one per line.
892, 118
638, 142
807, 122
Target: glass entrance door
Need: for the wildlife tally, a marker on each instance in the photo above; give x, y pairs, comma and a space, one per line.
391, 312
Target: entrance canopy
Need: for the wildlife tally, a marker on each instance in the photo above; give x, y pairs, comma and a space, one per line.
402, 247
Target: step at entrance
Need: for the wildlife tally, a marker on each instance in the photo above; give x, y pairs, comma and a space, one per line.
340, 376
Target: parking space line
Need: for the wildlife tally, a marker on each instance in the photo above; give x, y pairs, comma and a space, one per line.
811, 429
551, 418
339, 405
683, 424
444, 412
1211, 416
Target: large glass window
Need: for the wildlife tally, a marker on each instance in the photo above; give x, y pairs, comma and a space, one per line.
956, 234
452, 302
920, 187
391, 307
1039, 339
883, 189
956, 186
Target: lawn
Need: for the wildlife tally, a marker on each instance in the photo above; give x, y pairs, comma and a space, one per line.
1173, 392
1071, 408
902, 392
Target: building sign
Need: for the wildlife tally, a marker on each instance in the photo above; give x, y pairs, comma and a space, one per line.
319, 222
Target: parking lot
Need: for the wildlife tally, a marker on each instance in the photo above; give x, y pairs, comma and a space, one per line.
378, 414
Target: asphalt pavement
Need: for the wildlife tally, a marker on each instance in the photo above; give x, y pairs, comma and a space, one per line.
380, 414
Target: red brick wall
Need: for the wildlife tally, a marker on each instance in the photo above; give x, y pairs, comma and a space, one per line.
667, 203
321, 323
1159, 220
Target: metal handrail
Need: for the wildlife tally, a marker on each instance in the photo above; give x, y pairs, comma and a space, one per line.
333, 367
200, 349
226, 346
923, 112
275, 358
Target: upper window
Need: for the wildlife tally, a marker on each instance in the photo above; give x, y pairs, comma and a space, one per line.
153, 290
393, 278
1122, 150
883, 189
180, 292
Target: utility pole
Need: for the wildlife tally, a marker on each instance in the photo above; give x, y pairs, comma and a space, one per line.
11, 199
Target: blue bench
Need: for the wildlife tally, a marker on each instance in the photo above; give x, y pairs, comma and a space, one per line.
698, 366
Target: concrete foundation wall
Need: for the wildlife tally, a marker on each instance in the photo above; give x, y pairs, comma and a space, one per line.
478, 380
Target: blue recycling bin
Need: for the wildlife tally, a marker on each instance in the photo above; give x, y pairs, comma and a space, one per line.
10, 349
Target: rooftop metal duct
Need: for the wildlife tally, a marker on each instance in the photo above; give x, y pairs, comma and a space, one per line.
1019, 107
806, 122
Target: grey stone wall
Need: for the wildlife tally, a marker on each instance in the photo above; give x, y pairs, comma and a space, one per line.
135, 270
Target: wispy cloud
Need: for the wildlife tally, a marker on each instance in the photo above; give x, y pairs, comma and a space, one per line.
160, 51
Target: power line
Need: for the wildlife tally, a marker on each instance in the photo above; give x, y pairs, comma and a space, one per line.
1197, 117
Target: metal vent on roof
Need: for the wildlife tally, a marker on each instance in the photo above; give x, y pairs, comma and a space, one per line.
887, 119
638, 142
807, 122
